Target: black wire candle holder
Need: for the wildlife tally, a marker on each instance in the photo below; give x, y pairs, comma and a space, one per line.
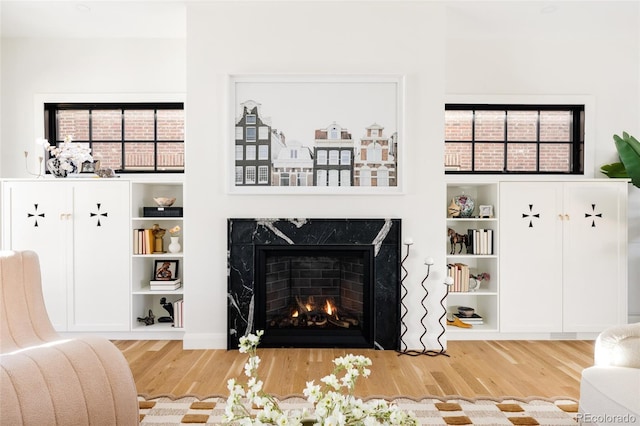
403, 293
425, 351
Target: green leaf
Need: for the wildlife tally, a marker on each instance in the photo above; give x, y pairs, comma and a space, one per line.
629, 150
614, 170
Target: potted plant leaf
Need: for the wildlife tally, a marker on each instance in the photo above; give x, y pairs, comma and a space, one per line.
629, 166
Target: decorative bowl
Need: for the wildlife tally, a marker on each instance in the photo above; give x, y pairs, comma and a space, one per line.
465, 311
164, 201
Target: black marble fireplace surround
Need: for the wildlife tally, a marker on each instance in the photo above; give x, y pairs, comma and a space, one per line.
250, 239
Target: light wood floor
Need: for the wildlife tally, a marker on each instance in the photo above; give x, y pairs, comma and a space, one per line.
474, 368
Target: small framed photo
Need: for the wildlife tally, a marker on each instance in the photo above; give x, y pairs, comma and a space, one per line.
90, 166
485, 211
165, 270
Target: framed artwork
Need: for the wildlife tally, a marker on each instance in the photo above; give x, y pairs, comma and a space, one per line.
165, 270
485, 211
315, 134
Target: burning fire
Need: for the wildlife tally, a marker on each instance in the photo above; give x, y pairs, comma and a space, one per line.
329, 308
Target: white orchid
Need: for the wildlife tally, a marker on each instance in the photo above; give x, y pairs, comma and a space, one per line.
68, 156
331, 407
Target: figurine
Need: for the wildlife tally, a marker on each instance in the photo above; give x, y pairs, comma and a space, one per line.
169, 308
158, 233
148, 320
454, 209
455, 238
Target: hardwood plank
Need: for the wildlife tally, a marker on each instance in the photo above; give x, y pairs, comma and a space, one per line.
474, 368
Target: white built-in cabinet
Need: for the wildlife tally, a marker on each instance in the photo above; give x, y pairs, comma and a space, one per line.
80, 230
563, 256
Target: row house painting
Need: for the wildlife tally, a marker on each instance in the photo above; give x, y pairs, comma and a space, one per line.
263, 156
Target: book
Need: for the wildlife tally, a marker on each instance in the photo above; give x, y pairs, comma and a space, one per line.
178, 313
473, 319
165, 284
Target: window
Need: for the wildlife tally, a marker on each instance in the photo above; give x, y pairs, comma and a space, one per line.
527, 139
263, 152
321, 177
263, 174
251, 134
239, 175
250, 119
126, 137
365, 177
374, 153
382, 177
334, 177
263, 134
284, 179
239, 152
239, 133
333, 157
251, 152
345, 157
250, 175
345, 177
322, 157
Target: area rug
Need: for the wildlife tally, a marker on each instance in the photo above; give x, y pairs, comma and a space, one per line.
440, 411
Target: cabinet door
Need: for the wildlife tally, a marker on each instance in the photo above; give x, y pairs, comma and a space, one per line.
36, 219
530, 257
100, 287
593, 243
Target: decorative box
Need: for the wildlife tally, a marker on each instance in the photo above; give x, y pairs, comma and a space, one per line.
162, 211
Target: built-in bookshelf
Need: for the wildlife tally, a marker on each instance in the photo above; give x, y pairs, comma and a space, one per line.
150, 240
477, 253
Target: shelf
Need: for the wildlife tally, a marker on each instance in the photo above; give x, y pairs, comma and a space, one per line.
472, 219
472, 293
474, 329
160, 218
146, 291
472, 256
159, 255
157, 327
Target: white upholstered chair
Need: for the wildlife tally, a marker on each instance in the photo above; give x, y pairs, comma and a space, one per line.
46, 379
610, 390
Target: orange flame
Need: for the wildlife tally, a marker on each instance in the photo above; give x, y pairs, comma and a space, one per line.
329, 309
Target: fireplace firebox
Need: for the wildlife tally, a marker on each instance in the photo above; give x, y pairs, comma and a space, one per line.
342, 276
315, 296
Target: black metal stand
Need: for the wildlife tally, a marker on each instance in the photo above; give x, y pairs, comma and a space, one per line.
425, 351
403, 294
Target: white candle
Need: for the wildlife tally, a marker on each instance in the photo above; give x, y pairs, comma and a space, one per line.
448, 281
428, 261
408, 241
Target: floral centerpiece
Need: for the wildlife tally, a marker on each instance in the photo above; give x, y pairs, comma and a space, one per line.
67, 157
333, 402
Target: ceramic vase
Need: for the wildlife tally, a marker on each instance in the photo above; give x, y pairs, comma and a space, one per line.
55, 167
174, 247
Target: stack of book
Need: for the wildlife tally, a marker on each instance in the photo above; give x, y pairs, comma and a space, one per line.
480, 241
460, 274
178, 313
165, 285
143, 241
474, 319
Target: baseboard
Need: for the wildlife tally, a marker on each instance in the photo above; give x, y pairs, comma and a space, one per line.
204, 341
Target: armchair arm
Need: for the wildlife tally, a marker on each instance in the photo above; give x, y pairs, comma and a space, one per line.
619, 346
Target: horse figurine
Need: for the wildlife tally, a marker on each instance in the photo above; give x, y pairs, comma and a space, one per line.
455, 238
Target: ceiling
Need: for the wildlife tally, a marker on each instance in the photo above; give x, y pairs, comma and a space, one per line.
93, 18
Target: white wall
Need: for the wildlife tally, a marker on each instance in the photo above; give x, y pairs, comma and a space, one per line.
312, 38
582, 49
43, 68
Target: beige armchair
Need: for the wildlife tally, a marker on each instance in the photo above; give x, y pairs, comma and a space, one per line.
46, 379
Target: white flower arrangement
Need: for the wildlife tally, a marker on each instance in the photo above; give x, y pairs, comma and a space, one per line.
66, 158
332, 407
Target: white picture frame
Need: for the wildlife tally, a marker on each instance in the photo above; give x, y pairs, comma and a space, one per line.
293, 134
485, 211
